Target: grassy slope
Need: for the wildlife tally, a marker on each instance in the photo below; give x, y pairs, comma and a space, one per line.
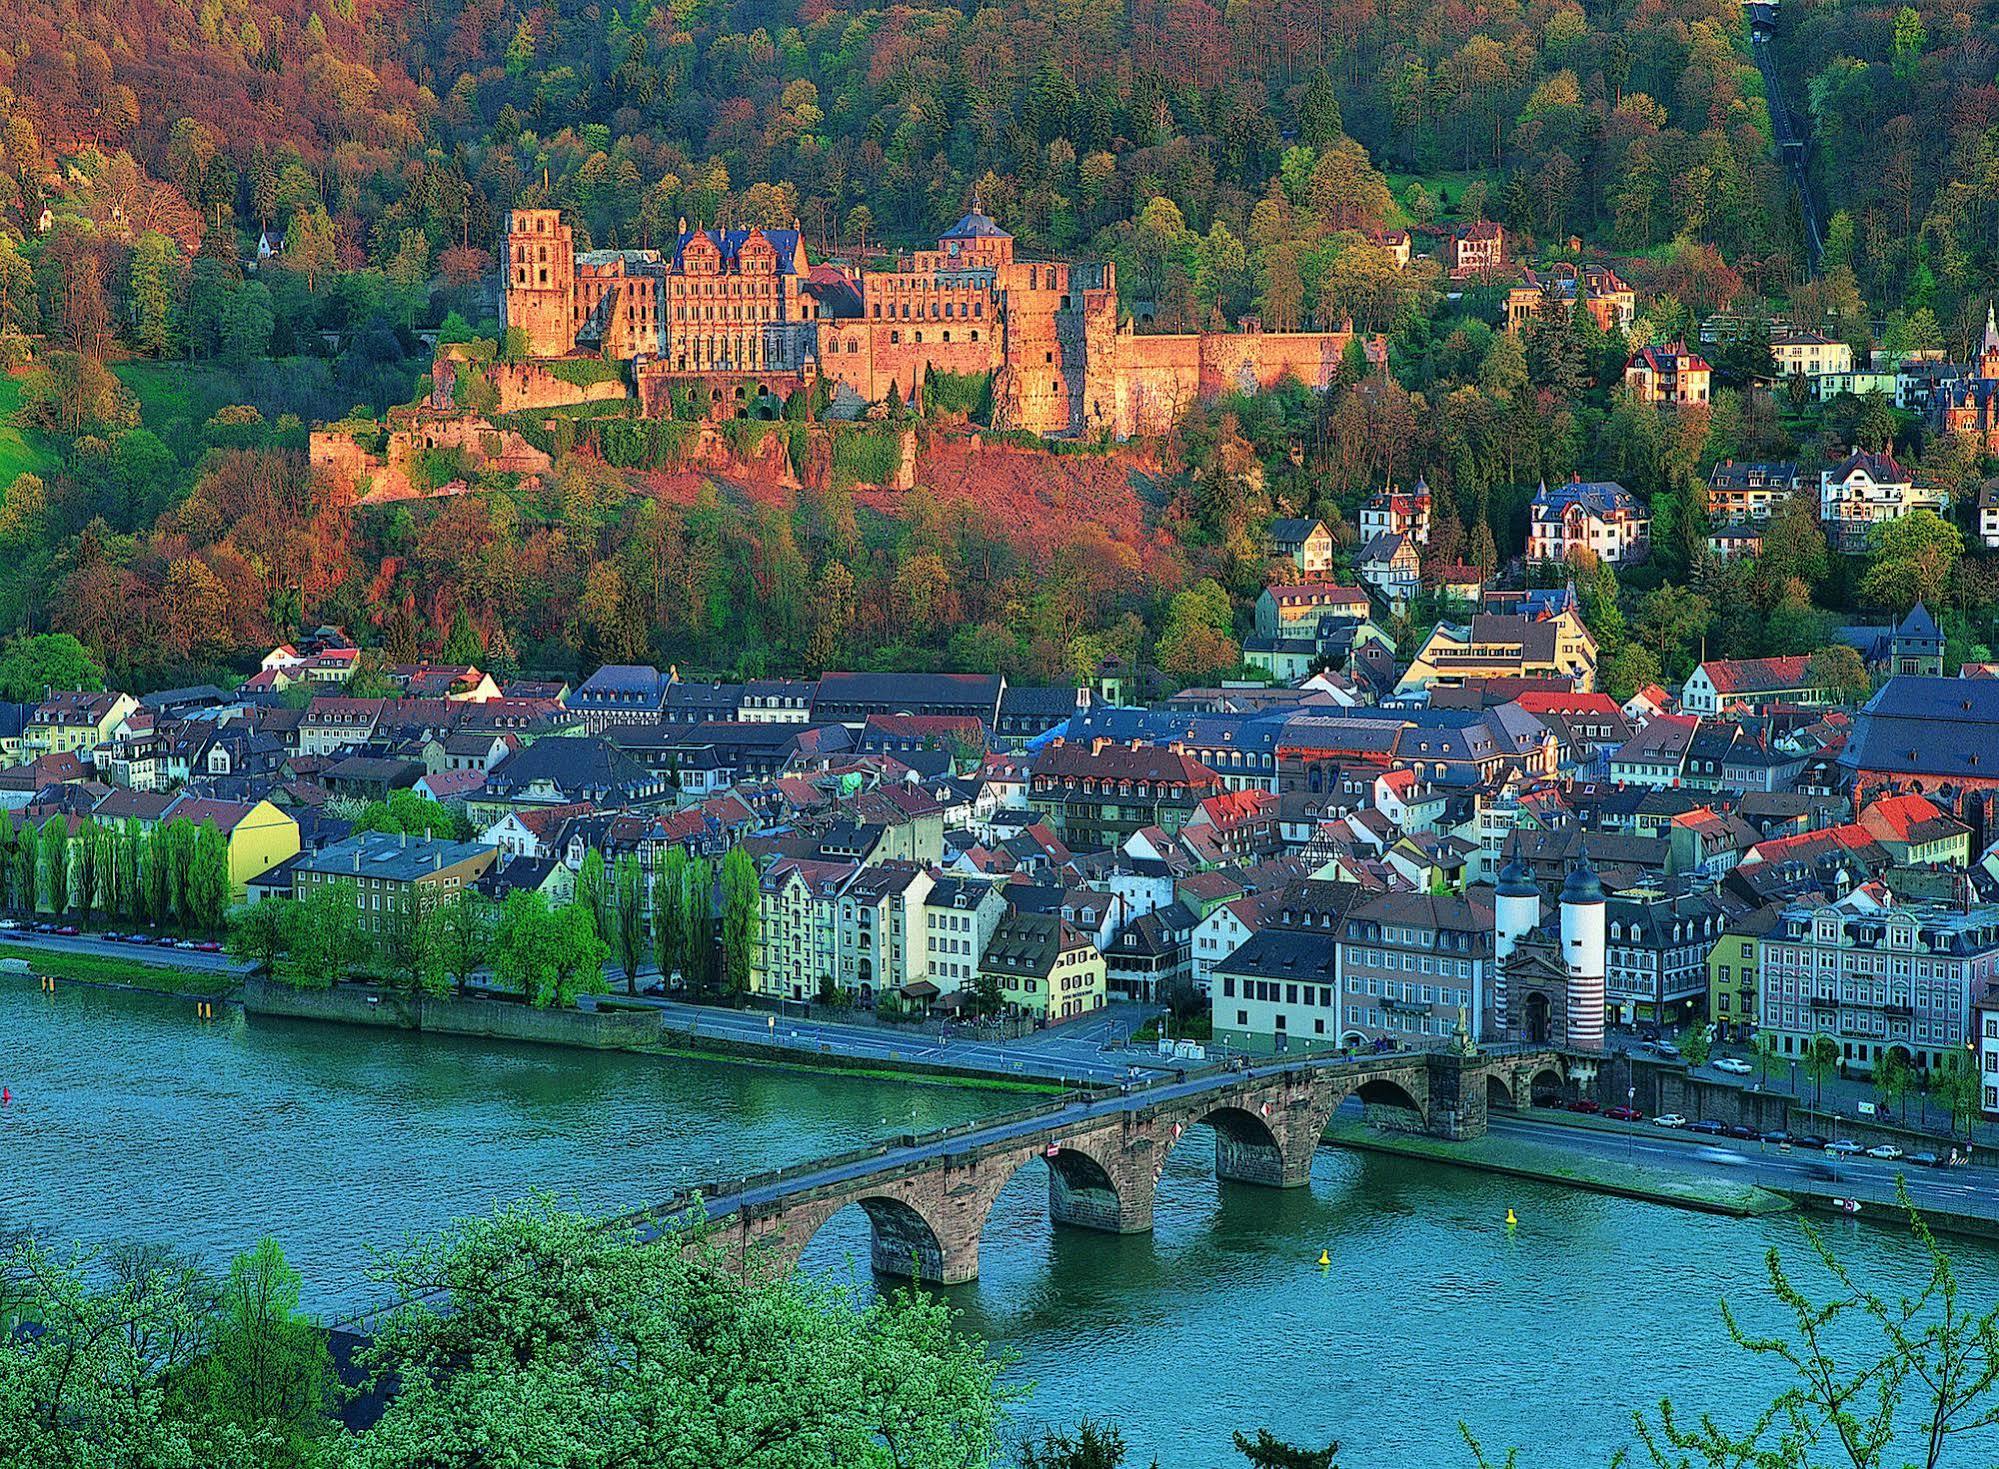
18, 454
177, 391
135, 973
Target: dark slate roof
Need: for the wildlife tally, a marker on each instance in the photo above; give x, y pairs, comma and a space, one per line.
1919, 626
730, 243
1916, 725
1285, 953
570, 764
975, 226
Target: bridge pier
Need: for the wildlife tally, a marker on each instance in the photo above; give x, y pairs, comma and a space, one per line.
1082, 1195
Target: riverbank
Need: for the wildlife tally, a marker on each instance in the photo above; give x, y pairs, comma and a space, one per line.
1545, 1163
149, 976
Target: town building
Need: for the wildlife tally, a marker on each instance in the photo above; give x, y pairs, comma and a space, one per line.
1727, 686
1549, 972
1656, 959
1296, 609
1554, 293
1740, 492
959, 916
1598, 516
1504, 647
1306, 544
1903, 977
74, 722
1673, 376
1477, 251
1045, 968
392, 875
1809, 354
1865, 490
1394, 512
1097, 794
1732, 969
1416, 968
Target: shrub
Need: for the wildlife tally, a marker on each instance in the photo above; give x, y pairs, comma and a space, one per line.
869, 456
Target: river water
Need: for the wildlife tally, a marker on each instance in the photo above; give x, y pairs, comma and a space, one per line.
131, 1121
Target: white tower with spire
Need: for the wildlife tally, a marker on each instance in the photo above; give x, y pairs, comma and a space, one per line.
1516, 912
1583, 955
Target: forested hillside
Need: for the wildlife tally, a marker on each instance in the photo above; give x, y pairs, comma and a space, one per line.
877, 123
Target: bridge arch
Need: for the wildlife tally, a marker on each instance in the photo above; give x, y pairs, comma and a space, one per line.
1500, 1092
1546, 1081
1087, 1190
902, 1240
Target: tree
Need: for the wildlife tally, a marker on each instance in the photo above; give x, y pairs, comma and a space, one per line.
55, 865
669, 913
1926, 1389
265, 1368
1956, 1086
1911, 560
1838, 672
155, 265
1821, 1060
1266, 1451
208, 879
519, 957
629, 939
453, 936
1765, 1046
324, 934
33, 665
258, 934
1894, 1078
550, 955
398, 946
1092, 1446
564, 1332
593, 890
1696, 1046
740, 916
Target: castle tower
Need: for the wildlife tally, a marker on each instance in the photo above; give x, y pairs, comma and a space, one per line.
1516, 912
1988, 349
541, 280
1583, 956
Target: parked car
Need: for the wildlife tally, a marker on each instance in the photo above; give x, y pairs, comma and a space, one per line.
1665, 1048
1742, 1134
1844, 1147
1624, 1114
208, 946
1886, 1152
164, 941
1669, 1119
1733, 1067
183, 943
1925, 1160
1548, 1099
68, 931
8, 925
1584, 1104
1778, 1139
1709, 1128
45, 928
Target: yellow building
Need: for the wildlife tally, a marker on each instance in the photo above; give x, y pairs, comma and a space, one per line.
78, 720
260, 836
1046, 968
1505, 646
1731, 973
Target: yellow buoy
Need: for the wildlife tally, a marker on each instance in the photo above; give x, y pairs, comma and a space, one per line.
1324, 1258
1511, 1219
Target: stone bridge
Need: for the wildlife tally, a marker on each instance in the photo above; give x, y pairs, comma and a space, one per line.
927, 1197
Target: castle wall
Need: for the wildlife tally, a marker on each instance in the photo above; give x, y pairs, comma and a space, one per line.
530, 386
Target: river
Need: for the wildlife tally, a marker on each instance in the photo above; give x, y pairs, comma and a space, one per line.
131, 1120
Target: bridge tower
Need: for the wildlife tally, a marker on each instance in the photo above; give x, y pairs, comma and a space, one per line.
1516, 912
1582, 924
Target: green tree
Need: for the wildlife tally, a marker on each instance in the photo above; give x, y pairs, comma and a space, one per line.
564, 1332
630, 941
265, 1371
1266, 1451
398, 942
1911, 560
208, 879
1696, 1046
32, 665
324, 935
741, 914
1894, 1079
1839, 672
1765, 1046
593, 890
454, 935
1909, 1379
259, 933
1092, 1446
55, 865
1955, 1085
669, 913
1821, 1061
155, 266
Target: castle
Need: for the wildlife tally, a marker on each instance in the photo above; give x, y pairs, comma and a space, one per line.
742, 319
